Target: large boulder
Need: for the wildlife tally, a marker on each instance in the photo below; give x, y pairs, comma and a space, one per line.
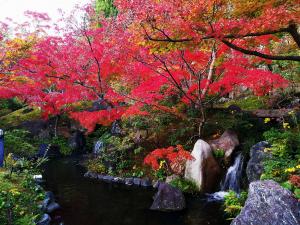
255, 165
203, 169
227, 142
37, 128
269, 204
116, 128
168, 198
77, 141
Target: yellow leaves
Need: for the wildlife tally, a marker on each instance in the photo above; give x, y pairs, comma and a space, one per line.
267, 120
292, 169
286, 125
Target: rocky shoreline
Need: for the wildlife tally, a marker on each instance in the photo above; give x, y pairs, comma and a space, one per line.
129, 181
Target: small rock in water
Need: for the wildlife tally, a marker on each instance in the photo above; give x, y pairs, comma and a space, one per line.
100, 177
217, 196
118, 180
87, 174
129, 181
52, 207
137, 181
108, 178
146, 182
45, 220
93, 175
39, 176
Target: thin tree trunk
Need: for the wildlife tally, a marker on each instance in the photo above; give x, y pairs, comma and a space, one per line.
55, 126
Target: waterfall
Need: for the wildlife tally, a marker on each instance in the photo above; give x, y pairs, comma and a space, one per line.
98, 147
233, 175
231, 182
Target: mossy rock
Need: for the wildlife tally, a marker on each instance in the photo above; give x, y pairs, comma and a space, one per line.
19, 116
4, 112
248, 103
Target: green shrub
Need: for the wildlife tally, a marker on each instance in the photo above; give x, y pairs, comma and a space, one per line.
19, 194
18, 142
185, 185
62, 143
96, 166
287, 185
234, 203
297, 193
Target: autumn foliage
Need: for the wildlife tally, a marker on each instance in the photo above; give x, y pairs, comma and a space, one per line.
151, 51
173, 156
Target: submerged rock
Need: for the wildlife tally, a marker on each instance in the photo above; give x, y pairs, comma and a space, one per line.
227, 142
52, 207
269, 204
137, 181
108, 178
77, 141
146, 182
168, 198
129, 181
255, 165
204, 169
45, 220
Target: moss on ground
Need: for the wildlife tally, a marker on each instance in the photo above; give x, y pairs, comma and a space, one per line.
249, 103
17, 117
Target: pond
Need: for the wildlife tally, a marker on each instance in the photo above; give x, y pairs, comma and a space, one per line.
90, 202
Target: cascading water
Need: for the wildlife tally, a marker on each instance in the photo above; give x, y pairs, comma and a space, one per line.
233, 175
232, 180
99, 145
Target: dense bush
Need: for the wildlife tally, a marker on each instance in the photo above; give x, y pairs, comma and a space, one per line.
284, 165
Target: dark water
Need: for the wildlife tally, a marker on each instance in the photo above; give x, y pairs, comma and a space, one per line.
90, 202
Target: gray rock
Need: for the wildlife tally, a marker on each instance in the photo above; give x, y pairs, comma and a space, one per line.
77, 141
52, 207
108, 178
227, 142
100, 176
146, 182
93, 175
129, 181
255, 164
45, 220
118, 180
87, 174
269, 204
168, 198
156, 183
137, 181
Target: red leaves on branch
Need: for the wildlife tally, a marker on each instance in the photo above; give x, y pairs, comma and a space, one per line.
103, 117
